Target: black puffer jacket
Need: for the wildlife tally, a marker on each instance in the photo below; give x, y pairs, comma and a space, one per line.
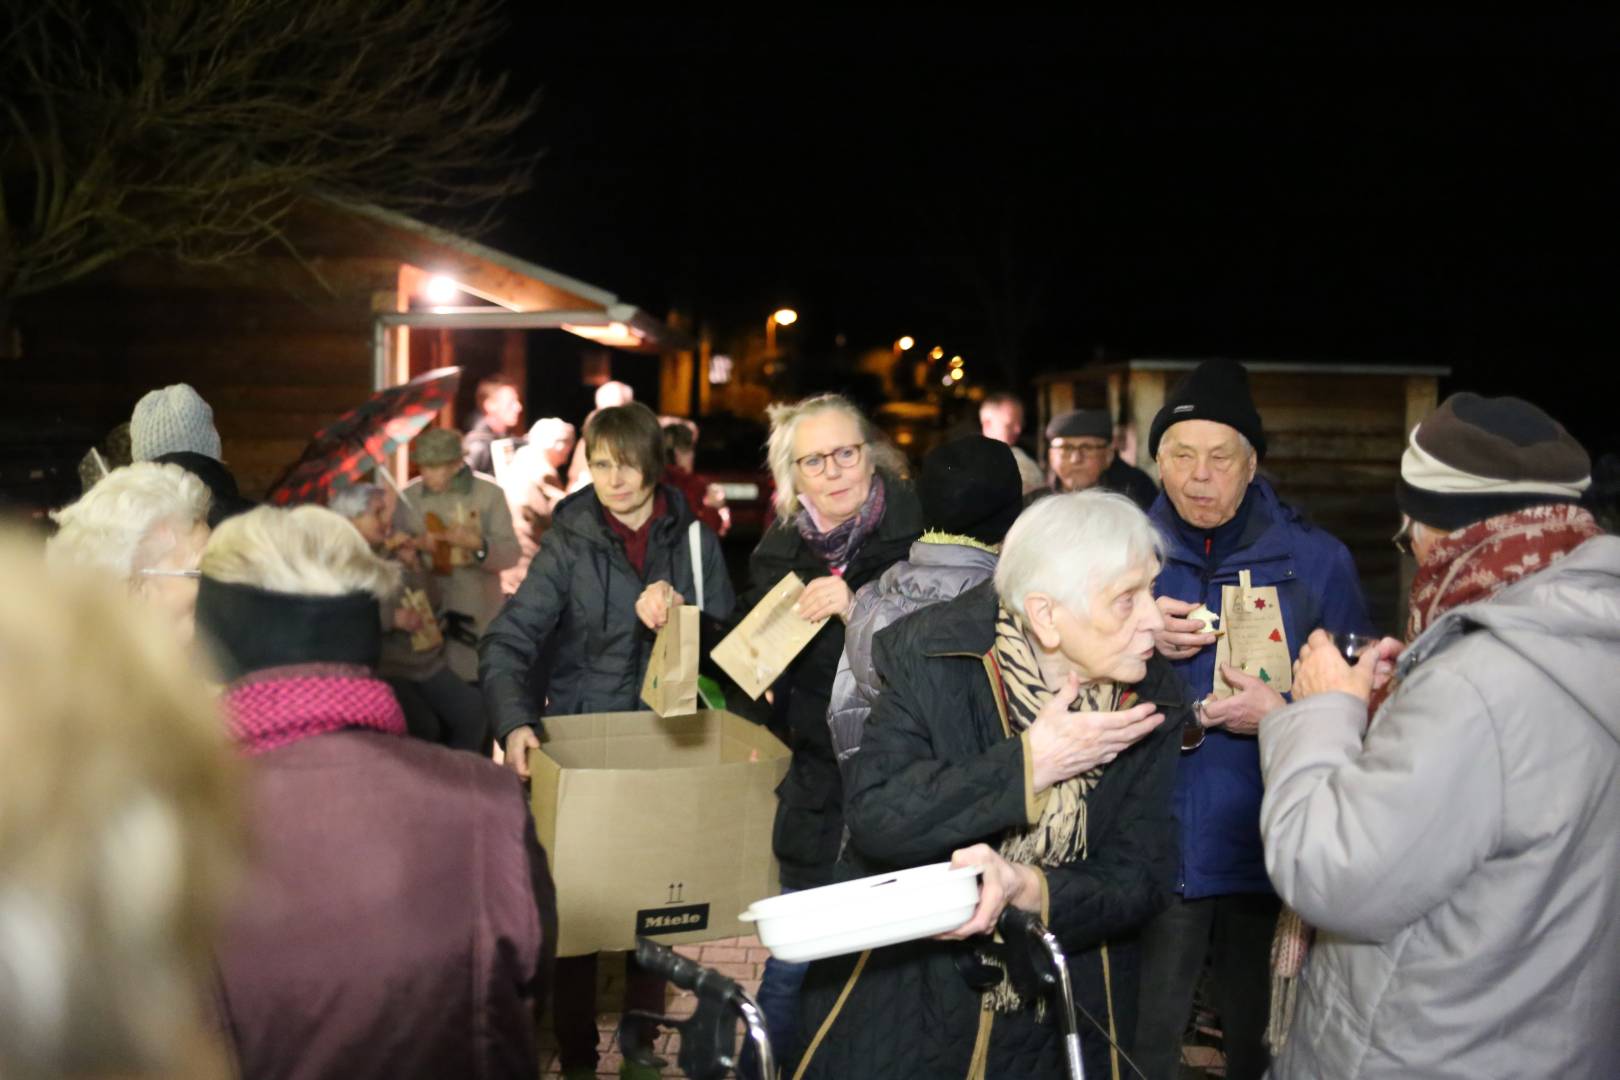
809, 820
575, 615
936, 772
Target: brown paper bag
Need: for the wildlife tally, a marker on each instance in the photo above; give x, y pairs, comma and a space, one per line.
670, 688
428, 636
1255, 640
767, 640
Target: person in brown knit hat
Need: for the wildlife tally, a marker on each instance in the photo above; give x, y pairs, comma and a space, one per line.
1454, 844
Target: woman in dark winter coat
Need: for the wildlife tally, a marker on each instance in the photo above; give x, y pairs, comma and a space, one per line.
1019, 730
578, 634
844, 516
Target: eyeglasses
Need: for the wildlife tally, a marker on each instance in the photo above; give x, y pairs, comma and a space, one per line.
151, 571
1068, 449
1403, 538
847, 457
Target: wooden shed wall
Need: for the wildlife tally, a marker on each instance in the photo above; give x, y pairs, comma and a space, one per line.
275, 355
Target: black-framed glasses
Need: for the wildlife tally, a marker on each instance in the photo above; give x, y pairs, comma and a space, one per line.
847, 457
1403, 538
1077, 450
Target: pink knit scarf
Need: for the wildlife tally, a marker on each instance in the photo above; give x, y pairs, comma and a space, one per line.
279, 706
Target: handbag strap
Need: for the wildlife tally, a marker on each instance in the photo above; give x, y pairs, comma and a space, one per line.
693, 544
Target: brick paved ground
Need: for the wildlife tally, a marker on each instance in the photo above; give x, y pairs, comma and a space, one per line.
742, 959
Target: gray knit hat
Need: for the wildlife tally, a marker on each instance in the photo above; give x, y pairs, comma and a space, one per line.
170, 420
1477, 457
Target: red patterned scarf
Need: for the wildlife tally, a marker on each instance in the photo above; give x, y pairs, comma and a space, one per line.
279, 706
1473, 563
1478, 561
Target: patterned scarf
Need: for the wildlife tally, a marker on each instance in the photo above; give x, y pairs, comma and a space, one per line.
1473, 563
1059, 837
279, 706
837, 546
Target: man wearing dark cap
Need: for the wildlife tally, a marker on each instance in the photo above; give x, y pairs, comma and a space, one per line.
1220, 519
971, 493
1457, 854
1080, 455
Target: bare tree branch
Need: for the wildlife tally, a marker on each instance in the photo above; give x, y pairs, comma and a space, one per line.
191, 127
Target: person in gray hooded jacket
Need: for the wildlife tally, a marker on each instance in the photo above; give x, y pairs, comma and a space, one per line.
971, 493
1457, 856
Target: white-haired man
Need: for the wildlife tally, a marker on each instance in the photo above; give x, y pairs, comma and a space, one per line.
1219, 519
1001, 417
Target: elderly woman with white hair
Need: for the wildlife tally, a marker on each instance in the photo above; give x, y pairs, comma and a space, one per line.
1027, 727
144, 524
398, 919
844, 515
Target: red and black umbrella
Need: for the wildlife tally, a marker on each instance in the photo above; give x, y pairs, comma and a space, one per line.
361, 440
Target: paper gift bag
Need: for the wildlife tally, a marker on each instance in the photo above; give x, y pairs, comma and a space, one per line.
427, 637
767, 640
1255, 640
671, 685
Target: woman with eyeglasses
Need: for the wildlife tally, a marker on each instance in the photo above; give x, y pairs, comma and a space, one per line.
844, 515
577, 636
144, 524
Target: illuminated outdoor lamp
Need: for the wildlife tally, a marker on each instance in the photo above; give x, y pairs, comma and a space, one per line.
441, 289
906, 342
938, 353
780, 317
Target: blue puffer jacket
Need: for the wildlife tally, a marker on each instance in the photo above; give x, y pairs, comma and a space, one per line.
1218, 786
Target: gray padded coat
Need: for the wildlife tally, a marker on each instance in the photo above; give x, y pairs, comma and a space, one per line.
1459, 860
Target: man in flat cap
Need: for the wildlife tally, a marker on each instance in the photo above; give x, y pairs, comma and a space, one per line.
1080, 455
1223, 524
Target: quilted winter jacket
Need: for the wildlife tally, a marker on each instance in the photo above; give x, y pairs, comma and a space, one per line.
570, 636
1218, 785
937, 772
937, 570
809, 820
1459, 859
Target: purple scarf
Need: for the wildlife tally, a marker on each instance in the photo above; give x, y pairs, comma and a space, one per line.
837, 546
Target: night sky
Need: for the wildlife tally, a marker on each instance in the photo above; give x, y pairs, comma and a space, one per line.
1029, 192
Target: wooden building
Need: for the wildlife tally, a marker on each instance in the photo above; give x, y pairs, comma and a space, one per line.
282, 343
1334, 434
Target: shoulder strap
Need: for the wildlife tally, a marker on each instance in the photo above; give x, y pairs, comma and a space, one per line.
694, 544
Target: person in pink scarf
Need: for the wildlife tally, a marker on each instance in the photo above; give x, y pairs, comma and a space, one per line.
398, 919
1452, 843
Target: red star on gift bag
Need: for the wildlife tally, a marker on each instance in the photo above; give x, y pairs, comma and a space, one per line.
1259, 604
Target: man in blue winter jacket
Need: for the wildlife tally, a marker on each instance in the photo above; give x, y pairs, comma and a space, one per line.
1218, 519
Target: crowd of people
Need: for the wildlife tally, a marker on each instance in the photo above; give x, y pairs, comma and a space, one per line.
264, 812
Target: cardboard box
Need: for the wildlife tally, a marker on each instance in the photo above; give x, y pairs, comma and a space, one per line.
656, 826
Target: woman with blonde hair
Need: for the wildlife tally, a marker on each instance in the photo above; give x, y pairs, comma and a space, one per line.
144, 524
399, 917
119, 834
844, 515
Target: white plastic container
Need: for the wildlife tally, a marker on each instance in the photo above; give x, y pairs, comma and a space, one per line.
885, 909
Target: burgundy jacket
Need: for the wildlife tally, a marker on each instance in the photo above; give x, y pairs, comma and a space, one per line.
398, 920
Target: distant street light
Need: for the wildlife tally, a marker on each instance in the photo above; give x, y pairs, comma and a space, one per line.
779, 317
937, 354
906, 342
956, 361
956, 374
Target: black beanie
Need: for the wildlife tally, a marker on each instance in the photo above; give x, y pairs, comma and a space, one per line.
1477, 457
971, 487
1216, 390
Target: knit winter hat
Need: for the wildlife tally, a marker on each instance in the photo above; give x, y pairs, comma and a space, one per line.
436, 446
1477, 457
173, 419
1081, 424
1215, 390
971, 487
